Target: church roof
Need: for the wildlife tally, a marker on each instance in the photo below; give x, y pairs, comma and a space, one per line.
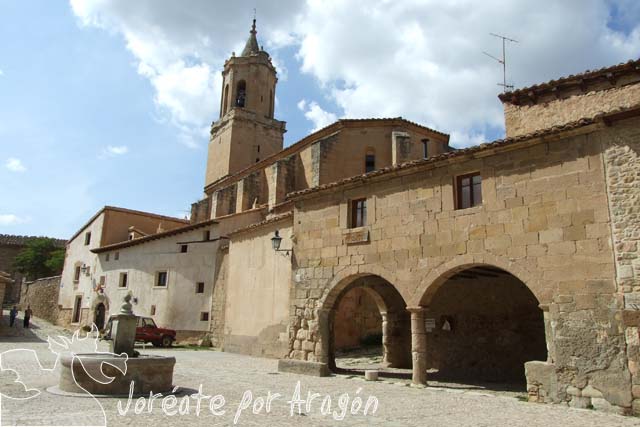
251, 48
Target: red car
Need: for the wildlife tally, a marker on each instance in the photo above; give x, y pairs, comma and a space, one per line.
148, 331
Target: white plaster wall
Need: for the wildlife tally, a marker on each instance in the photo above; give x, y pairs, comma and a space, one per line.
259, 282
178, 306
76, 253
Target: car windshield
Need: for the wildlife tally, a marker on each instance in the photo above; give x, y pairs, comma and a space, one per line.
147, 321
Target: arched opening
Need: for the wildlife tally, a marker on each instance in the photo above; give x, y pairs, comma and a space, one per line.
482, 325
99, 316
369, 328
241, 94
369, 160
225, 99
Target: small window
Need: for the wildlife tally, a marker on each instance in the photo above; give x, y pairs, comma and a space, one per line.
152, 312
106, 258
206, 235
161, 278
131, 236
200, 288
87, 238
122, 283
116, 256
469, 188
204, 316
369, 163
184, 249
76, 274
358, 213
425, 148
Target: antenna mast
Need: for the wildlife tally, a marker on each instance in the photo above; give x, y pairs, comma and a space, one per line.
503, 61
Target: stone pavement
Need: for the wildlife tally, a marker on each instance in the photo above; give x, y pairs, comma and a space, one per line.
232, 375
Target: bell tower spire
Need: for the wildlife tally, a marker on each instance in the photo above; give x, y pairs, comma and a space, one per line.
246, 131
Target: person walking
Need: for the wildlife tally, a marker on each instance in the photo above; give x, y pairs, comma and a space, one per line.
27, 316
12, 316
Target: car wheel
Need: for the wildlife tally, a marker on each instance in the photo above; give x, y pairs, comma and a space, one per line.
167, 341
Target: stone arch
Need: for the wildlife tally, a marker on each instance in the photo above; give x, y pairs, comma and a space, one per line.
347, 275
390, 304
435, 278
241, 94
486, 320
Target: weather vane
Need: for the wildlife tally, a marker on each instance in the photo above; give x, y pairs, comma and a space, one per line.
503, 61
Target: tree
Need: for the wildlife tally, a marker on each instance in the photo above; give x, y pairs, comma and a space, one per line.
39, 258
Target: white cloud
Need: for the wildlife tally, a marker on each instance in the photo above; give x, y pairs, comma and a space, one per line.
420, 59
15, 165
316, 115
11, 219
114, 150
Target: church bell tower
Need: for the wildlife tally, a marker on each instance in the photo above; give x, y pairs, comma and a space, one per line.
246, 131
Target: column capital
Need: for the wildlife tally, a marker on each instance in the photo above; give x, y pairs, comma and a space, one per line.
417, 309
544, 307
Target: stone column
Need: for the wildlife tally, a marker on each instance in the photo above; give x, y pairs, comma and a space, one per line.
418, 345
548, 333
392, 345
325, 331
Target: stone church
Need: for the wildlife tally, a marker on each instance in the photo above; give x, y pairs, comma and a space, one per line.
513, 260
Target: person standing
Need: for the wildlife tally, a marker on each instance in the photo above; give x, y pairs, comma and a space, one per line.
27, 316
12, 316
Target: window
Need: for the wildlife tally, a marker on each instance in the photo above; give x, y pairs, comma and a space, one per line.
241, 94
206, 235
116, 256
77, 309
106, 258
204, 316
76, 274
122, 282
469, 188
161, 278
425, 148
184, 249
152, 312
87, 238
369, 162
200, 288
358, 213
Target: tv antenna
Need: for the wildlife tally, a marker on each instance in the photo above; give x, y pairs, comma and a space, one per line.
503, 61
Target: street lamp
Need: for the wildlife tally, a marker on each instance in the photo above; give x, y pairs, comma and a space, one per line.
276, 240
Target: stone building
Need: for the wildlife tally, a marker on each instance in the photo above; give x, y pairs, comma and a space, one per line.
514, 260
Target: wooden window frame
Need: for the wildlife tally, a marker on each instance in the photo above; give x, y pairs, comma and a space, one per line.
77, 272
358, 220
369, 156
472, 194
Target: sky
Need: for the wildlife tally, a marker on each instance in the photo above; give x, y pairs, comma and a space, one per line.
109, 102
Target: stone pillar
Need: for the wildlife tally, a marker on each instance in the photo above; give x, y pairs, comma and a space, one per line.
418, 345
325, 330
392, 345
548, 333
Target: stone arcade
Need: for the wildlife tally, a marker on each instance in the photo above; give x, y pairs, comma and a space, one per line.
511, 258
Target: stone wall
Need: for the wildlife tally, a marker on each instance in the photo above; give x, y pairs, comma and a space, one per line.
218, 300
357, 320
622, 162
8, 254
42, 296
524, 119
544, 219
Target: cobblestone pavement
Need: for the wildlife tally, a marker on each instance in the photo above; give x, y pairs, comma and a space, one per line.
232, 375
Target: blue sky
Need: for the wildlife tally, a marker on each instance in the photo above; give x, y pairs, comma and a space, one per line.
96, 108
